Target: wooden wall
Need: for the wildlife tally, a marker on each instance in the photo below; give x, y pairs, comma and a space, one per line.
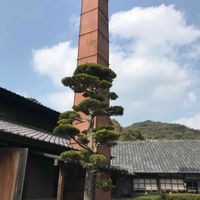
9, 162
74, 183
41, 178
21, 110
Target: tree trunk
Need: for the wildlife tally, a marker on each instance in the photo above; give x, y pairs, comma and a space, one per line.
89, 186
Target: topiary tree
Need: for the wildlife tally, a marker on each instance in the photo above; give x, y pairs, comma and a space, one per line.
94, 82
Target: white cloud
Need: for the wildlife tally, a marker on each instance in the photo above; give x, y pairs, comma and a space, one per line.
191, 99
194, 52
151, 82
75, 22
158, 25
191, 122
60, 101
55, 62
145, 53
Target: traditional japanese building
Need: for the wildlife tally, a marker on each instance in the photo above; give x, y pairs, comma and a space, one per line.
29, 152
29, 164
157, 166
29, 167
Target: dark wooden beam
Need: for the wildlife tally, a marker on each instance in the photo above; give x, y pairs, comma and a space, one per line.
61, 183
24, 142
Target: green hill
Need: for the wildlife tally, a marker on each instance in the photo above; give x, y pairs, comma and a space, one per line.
158, 130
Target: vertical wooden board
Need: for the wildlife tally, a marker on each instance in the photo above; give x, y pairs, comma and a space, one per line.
8, 162
61, 182
9, 168
23, 153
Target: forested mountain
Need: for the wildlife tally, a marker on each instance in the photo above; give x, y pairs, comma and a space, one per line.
157, 130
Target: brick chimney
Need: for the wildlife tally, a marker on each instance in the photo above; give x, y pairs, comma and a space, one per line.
93, 42
94, 48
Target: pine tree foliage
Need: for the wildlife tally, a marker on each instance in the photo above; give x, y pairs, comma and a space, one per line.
94, 81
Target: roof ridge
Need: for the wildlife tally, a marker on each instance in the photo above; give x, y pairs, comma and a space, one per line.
156, 140
4, 90
25, 125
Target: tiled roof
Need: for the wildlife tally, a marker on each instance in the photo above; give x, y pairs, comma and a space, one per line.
11, 128
161, 156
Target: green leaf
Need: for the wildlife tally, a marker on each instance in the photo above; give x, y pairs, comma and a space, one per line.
100, 71
89, 106
83, 139
106, 137
134, 134
64, 121
105, 85
109, 127
98, 160
104, 184
70, 116
71, 156
87, 166
115, 110
82, 82
112, 96
82, 157
66, 129
99, 112
67, 81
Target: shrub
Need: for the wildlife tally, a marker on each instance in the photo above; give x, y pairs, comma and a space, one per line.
152, 197
166, 197
183, 197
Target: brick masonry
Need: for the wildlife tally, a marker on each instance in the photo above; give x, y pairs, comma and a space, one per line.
94, 48
93, 43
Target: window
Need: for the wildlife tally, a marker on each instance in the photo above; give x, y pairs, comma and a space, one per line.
192, 186
172, 185
138, 184
145, 185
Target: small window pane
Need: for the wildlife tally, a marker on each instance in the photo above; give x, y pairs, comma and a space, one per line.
154, 187
136, 185
162, 181
180, 181
168, 181
175, 187
136, 180
141, 180
174, 181
168, 187
147, 180
148, 186
181, 187
153, 181
141, 186
163, 186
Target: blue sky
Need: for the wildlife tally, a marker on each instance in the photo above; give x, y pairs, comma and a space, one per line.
155, 49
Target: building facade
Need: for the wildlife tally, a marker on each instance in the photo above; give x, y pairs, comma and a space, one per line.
157, 166
29, 153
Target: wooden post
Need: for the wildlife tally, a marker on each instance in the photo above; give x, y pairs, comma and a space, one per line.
61, 183
12, 172
131, 179
158, 184
23, 153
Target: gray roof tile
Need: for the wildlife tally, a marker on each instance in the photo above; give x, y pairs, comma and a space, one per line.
29, 132
157, 156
